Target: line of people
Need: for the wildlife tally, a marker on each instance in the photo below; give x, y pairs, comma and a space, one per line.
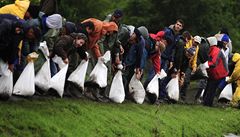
179, 55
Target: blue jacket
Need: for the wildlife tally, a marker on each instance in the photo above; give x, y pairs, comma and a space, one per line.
169, 52
136, 55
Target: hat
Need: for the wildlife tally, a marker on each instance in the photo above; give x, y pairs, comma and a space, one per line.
225, 38
191, 50
138, 33
70, 27
212, 41
197, 39
144, 31
54, 21
131, 29
118, 13
158, 36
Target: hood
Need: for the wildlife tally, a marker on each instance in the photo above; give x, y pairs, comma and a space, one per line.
236, 57
23, 5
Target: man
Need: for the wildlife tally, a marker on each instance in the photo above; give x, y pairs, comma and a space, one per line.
167, 57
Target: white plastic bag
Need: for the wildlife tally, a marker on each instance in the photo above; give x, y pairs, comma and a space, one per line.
78, 76
136, 88
57, 82
99, 74
172, 89
117, 93
43, 47
6, 79
42, 79
25, 83
153, 86
59, 61
227, 92
163, 74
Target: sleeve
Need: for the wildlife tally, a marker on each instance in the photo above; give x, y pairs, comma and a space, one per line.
213, 56
59, 48
156, 62
235, 75
141, 54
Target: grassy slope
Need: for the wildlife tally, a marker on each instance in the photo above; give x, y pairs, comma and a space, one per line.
65, 117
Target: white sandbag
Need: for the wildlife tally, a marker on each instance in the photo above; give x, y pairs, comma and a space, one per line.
42, 79
202, 93
25, 83
117, 93
172, 89
163, 74
99, 74
107, 56
57, 82
6, 79
43, 47
78, 76
136, 88
59, 61
153, 86
227, 92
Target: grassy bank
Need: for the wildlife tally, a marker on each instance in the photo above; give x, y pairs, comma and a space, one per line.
68, 117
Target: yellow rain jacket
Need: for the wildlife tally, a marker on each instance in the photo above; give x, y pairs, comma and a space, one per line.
235, 77
19, 8
193, 60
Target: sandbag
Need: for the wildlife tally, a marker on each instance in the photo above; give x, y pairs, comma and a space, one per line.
172, 89
25, 84
78, 76
42, 79
99, 72
226, 92
59, 61
137, 90
43, 47
117, 93
57, 82
6, 80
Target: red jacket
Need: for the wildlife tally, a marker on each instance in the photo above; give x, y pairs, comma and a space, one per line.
156, 61
217, 64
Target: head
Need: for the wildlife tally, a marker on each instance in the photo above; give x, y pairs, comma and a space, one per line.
225, 40
17, 27
117, 15
135, 36
68, 28
196, 40
187, 36
80, 39
178, 26
144, 31
89, 26
33, 33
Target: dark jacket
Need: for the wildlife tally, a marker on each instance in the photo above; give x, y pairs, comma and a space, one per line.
180, 59
64, 47
203, 52
9, 40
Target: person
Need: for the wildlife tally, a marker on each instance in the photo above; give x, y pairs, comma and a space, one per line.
68, 28
19, 8
116, 17
13, 31
49, 7
235, 77
86, 28
221, 34
71, 48
133, 59
217, 71
167, 57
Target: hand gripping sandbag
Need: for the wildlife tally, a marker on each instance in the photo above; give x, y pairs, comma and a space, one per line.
59, 61
99, 73
6, 79
172, 89
25, 83
78, 76
43, 47
117, 93
42, 79
227, 92
57, 82
136, 88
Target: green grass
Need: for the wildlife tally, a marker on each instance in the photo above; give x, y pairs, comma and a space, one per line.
71, 117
